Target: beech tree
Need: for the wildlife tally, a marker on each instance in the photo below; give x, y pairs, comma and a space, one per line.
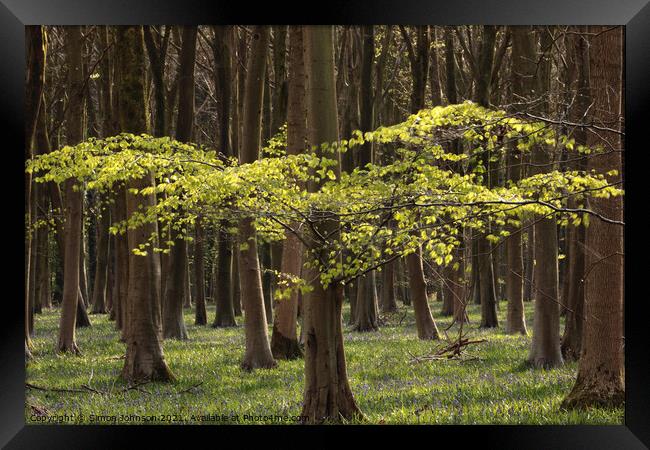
258, 350
600, 379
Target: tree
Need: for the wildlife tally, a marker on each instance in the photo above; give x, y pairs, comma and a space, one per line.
73, 197
484, 266
600, 379
35, 44
327, 392
523, 68
258, 350
144, 353
224, 49
545, 344
419, 59
573, 296
284, 339
366, 304
175, 287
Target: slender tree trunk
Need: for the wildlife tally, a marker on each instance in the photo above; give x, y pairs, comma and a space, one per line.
258, 349
601, 372
573, 296
101, 267
388, 291
144, 354
225, 312
545, 345
35, 41
71, 291
284, 339
426, 327
366, 304
327, 392
523, 66
176, 285
201, 316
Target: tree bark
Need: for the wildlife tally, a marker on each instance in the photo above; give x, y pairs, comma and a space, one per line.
545, 345
601, 372
101, 267
523, 68
258, 350
175, 287
144, 359
284, 339
426, 327
327, 392
71, 291
201, 316
388, 291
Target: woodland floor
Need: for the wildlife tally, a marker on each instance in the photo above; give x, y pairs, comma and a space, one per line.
493, 388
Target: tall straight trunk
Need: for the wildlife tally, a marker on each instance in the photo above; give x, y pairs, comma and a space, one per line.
121, 264
545, 345
35, 57
284, 339
101, 267
459, 291
419, 59
529, 261
486, 279
176, 285
327, 392
225, 312
388, 291
201, 316
601, 372
366, 304
226, 88
144, 358
574, 297
234, 276
83, 272
157, 52
267, 280
447, 291
523, 68
71, 297
258, 349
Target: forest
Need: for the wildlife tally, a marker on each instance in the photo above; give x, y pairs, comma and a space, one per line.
386, 224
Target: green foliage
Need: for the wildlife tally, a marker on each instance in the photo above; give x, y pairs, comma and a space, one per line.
425, 197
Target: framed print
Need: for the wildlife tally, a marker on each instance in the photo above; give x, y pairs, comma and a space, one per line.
396, 216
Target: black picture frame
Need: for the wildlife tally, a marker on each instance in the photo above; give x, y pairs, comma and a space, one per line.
634, 14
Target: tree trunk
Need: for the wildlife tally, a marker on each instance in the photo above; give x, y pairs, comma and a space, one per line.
35, 44
201, 317
175, 287
545, 345
73, 197
101, 267
426, 327
258, 350
388, 291
144, 359
601, 372
225, 312
366, 304
284, 339
327, 392
523, 66
574, 297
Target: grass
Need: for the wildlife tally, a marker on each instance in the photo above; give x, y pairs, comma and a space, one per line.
494, 388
